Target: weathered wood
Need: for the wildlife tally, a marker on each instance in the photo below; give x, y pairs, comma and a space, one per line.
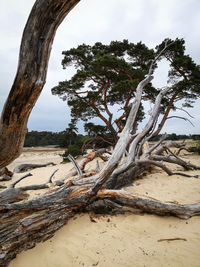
86, 159
12, 194
35, 49
5, 174
30, 166
80, 174
23, 225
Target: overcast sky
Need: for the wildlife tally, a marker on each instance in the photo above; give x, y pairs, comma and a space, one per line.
149, 21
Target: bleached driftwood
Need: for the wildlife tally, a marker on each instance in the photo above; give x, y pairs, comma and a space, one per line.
24, 223
30, 166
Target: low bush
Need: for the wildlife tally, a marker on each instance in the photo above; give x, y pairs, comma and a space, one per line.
74, 150
195, 149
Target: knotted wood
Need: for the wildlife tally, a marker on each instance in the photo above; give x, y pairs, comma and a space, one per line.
35, 49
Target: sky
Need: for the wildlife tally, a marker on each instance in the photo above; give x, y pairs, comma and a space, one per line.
149, 21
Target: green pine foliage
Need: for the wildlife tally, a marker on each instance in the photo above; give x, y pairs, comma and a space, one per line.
107, 75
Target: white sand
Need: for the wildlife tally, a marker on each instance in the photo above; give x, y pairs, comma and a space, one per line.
120, 240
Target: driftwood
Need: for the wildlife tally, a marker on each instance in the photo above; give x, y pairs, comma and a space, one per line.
23, 222
30, 166
86, 159
5, 174
12, 194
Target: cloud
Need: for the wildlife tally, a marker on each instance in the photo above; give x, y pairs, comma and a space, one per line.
91, 21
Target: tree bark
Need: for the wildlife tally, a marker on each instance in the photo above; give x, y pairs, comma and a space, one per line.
160, 126
35, 49
23, 224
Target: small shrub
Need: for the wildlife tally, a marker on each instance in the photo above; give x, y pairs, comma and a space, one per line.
196, 148
74, 150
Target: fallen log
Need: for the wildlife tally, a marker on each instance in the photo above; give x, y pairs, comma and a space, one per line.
24, 224
30, 166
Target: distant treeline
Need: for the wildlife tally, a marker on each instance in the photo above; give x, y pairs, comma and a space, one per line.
61, 139
67, 138
174, 136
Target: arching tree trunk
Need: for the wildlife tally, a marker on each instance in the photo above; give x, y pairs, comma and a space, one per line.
24, 224
38, 36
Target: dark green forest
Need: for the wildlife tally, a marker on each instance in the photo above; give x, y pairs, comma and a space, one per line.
65, 138
46, 138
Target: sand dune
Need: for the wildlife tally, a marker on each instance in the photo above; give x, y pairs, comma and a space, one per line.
119, 240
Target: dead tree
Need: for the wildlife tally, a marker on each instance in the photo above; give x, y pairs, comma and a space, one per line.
24, 222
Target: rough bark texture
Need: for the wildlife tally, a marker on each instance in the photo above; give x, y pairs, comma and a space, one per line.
23, 222
23, 225
35, 49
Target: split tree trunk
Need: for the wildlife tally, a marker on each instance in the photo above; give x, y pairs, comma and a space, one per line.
35, 49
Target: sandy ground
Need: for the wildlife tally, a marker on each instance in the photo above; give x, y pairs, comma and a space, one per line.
119, 240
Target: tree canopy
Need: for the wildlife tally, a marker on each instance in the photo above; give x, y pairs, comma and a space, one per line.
107, 76
24, 222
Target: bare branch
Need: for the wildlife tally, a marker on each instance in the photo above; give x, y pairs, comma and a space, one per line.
158, 56
180, 149
167, 149
171, 239
156, 163
152, 148
34, 187
20, 179
94, 139
178, 161
50, 178
97, 166
185, 112
30, 166
161, 124
71, 158
183, 118
149, 125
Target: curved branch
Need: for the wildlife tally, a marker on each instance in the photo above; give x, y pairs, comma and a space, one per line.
19, 180
80, 174
117, 122
93, 100
108, 124
125, 198
93, 139
105, 103
178, 161
182, 118
165, 168
185, 112
38, 35
161, 124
